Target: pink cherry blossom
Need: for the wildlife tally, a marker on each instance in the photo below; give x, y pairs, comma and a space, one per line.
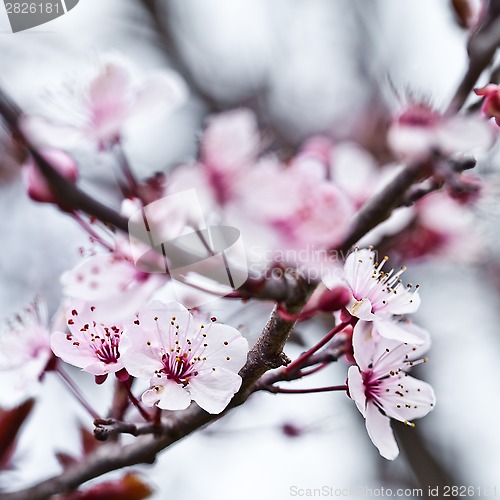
441, 227
24, 353
355, 171
112, 281
182, 358
229, 147
297, 204
91, 345
98, 109
491, 102
382, 388
377, 296
420, 131
37, 186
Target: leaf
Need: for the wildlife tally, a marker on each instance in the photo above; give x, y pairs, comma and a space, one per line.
11, 422
129, 487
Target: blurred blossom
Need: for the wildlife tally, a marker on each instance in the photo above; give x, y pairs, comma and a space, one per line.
491, 101
97, 109
111, 280
441, 227
24, 353
418, 132
381, 387
183, 359
230, 145
277, 206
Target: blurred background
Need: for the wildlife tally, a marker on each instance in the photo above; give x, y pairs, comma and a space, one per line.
341, 68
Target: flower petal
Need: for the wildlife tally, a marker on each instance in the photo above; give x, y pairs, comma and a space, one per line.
74, 352
214, 389
162, 92
358, 267
464, 134
408, 398
380, 432
362, 309
357, 388
363, 344
400, 331
226, 347
140, 352
167, 395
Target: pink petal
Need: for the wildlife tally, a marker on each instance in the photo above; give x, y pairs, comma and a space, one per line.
140, 359
362, 310
169, 396
462, 134
162, 92
214, 389
43, 132
357, 388
358, 268
411, 143
77, 355
380, 432
231, 140
418, 400
99, 277
111, 86
217, 352
363, 344
390, 329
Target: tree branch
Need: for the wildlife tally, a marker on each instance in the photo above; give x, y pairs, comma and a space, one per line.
267, 353
482, 46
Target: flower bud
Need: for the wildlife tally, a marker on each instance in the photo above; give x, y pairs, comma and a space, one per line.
334, 300
36, 184
491, 103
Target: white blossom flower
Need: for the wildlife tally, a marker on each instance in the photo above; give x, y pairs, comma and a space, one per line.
92, 346
24, 353
377, 296
183, 359
382, 388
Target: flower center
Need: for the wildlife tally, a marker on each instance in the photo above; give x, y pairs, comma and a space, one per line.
419, 116
177, 367
106, 349
372, 385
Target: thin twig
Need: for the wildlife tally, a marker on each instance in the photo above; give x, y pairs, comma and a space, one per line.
76, 392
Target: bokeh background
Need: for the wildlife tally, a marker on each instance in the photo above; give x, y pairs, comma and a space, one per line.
336, 67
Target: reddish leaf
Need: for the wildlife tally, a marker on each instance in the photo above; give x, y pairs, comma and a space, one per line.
89, 442
129, 487
11, 422
66, 460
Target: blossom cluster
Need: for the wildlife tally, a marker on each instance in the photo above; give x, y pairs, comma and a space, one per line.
384, 347
293, 205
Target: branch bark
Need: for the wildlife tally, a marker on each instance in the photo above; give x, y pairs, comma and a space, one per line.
267, 353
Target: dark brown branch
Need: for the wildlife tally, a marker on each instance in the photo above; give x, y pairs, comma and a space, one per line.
170, 48
71, 198
482, 46
378, 208
267, 353
330, 355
